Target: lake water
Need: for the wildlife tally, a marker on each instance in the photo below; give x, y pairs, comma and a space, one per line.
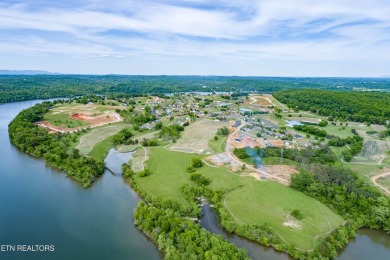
115, 159
291, 123
40, 205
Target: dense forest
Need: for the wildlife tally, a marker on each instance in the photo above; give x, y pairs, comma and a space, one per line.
360, 203
27, 87
180, 238
370, 107
54, 148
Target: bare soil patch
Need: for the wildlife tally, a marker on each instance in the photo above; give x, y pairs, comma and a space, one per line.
292, 223
92, 121
280, 171
106, 118
218, 159
258, 100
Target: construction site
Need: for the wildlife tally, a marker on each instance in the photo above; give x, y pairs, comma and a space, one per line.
75, 117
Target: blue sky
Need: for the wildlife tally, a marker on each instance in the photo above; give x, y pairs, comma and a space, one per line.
197, 37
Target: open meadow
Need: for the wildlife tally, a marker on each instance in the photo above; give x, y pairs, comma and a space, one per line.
271, 202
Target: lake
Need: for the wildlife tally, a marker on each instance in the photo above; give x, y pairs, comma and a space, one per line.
41, 206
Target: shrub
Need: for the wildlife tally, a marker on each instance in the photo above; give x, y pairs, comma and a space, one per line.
296, 213
196, 162
145, 173
190, 169
223, 131
323, 123
200, 179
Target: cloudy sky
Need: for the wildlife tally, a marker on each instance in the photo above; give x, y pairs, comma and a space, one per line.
197, 37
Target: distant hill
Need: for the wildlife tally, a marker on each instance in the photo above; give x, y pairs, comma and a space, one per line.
26, 72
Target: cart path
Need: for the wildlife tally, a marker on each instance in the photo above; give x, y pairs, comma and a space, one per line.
374, 178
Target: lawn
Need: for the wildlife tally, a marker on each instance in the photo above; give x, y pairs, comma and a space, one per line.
218, 146
89, 140
270, 202
338, 130
257, 202
100, 150
168, 174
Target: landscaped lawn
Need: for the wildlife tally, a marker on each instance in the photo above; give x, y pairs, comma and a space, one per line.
265, 201
168, 174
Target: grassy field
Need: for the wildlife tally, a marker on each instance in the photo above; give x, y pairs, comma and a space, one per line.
363, 170
218, 146
196, 136
257, 202
89, 140
384, 181
338, 151
168, 174
386, 160
100, 150
276, 161
271, 202
338, 130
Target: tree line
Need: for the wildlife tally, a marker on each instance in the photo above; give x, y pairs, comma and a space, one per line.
370, 107
361, 204
26, 87
54, 148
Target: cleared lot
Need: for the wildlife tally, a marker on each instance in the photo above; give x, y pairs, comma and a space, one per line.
196, 137
88, 141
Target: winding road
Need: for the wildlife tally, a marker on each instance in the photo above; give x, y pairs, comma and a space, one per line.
374, 178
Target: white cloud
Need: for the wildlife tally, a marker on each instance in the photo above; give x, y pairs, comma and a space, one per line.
302, 30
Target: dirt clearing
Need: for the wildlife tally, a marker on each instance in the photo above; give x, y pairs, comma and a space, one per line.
259, 100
